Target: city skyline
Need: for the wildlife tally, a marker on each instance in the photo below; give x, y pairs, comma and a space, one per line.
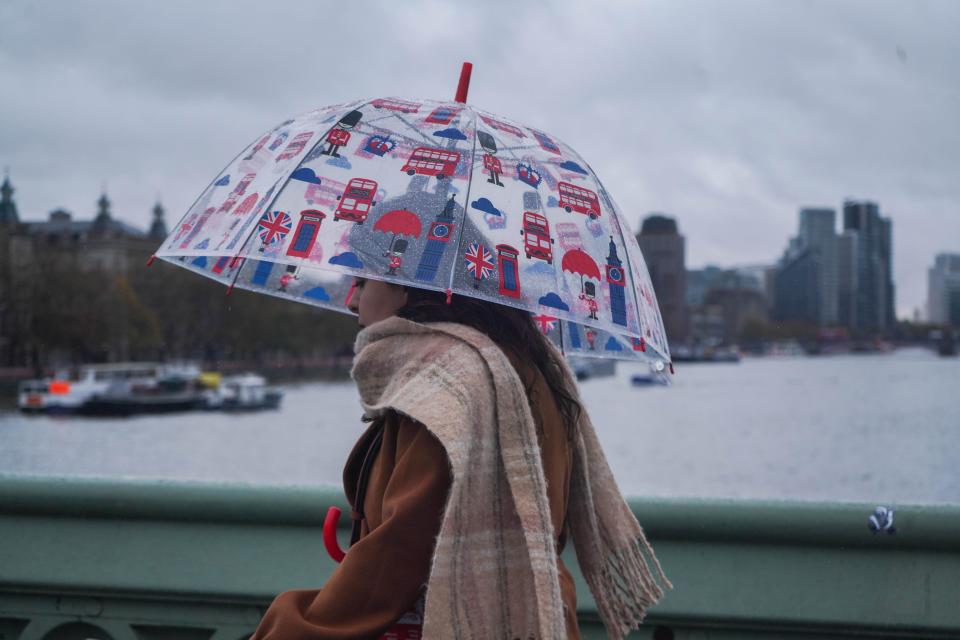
732, 120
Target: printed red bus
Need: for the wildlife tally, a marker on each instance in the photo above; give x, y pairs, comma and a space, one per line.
432, 162
503, 126
442, 115
356, 200
536, 237
296, 146
392, 104
573, 198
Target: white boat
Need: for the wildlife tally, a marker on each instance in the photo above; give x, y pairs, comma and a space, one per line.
244, 392
76, 391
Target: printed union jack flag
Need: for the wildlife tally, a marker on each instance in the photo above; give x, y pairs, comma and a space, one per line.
546, 323
274, 226
479, 261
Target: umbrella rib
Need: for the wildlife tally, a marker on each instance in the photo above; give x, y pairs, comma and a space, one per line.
253, 227
413, 128
466, 203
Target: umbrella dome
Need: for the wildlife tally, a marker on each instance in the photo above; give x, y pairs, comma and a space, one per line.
462, 186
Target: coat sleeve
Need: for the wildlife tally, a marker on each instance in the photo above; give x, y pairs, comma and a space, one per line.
383, 573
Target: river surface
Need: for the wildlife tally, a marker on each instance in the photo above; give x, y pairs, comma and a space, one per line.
883, 429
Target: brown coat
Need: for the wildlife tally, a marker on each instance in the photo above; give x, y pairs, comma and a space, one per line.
384, 573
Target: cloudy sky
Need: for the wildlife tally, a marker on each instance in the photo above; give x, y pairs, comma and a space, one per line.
728, 115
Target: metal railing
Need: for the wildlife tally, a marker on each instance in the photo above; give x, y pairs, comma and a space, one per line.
157, 560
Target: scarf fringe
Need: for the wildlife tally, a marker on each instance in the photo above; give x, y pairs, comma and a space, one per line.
621, 609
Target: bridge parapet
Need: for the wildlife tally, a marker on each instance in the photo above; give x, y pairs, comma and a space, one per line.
156, 560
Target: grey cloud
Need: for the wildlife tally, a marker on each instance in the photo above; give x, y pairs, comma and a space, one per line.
728, 115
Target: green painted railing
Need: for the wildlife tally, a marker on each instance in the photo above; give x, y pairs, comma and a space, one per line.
152, 560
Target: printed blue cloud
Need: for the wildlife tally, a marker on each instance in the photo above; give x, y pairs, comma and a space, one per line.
551, 299
613, 345
483, 204
203, 244
570, 165
317, 293
305, 174
200, 261
552, 201
224, 181
541, 267
347, 259
452, 133
341, 162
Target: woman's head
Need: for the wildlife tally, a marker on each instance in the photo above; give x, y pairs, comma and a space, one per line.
510, 328
375, 300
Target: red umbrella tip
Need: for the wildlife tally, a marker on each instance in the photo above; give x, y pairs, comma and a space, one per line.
464, 85
150, 261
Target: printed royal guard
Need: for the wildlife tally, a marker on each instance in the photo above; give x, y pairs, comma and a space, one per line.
288, 276
490, 163
340, 135
397, 248
589, 295
591, 338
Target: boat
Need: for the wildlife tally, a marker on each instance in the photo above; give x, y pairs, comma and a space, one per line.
68, 391
585, 367
172, 389
656, 375
244, 392
706, 353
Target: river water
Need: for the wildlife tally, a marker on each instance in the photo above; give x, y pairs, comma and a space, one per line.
883, 429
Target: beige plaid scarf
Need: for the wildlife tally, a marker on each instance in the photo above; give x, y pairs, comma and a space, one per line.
494, 568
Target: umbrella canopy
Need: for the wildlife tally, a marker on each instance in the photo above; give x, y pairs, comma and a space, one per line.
487, 207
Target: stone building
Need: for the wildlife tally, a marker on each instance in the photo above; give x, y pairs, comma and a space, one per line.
29, 251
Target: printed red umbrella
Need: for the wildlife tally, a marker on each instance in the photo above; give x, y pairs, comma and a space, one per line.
580, 262
400, 222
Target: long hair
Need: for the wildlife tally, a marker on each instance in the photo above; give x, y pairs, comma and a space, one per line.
508, 327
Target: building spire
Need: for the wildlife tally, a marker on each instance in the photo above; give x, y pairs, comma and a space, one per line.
158, 228
103, 206
103, 220
8, 208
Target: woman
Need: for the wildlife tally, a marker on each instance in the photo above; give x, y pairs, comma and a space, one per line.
478, 465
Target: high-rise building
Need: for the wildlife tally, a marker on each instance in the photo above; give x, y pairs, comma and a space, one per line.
806, 279
818, 232
847, 278
796, 292
874, 297
943, 290
663, 251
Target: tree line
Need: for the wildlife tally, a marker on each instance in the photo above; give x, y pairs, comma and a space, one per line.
162, 312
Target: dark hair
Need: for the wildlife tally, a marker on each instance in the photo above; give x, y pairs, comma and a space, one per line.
508, 327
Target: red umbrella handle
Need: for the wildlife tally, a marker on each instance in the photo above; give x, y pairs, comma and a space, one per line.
330, 534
